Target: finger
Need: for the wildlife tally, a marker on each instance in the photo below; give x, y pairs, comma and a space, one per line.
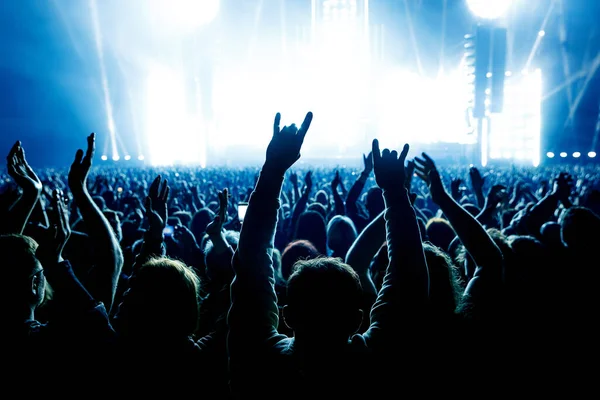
153, 190
14, 149
91, 148
428, 160
394, 154
276, 123
305, 125
385, 153
78, 157
404, 153
422, 175
165, 190
165, 196
375, 151
148, 205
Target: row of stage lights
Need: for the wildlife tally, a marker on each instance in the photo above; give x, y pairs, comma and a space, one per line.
591, 154
117, 158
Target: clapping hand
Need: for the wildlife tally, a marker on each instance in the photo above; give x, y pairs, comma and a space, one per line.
50, 251
21, 172
284, 149
81, 166
216, 225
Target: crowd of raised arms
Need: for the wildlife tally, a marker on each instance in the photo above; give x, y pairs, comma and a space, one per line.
400, 279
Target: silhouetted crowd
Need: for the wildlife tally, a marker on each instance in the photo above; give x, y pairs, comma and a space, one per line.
400, 279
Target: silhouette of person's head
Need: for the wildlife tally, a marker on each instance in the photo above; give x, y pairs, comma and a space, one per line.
580, 229
322, 198
161, 302
341, 233
324, 295
295, 251
25, 284
311, 227
440, 233
200, 221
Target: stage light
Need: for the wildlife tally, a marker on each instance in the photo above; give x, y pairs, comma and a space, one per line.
183, 15
104, 158
592, 154
508, 73
116, 158
576, 154
550, 154
542, 33
127, 157
141, 157
563, 154
489, 9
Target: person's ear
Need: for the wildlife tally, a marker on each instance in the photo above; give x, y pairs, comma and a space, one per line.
289, 317
357, 321
34, 286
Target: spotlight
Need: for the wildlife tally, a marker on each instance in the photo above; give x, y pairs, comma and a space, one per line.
489, 9
592, 154
141, 157
104, 158
563, 154
127, 157
576, 154
550, 154
116, 158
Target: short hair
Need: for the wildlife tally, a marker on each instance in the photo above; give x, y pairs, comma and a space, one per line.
374, 201
293, 252
324, 290
322, 198
440, 232
318, 207
341, 233
169, 297
311, 226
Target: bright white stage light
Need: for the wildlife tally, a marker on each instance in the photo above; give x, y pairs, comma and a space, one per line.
183, 15
116, 158
592, 154
542, 33
127, 157
104, 158
141, 157
563, 154
550, 154
576, 154
489, 9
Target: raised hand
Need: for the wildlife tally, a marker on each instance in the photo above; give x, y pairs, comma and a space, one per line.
409, 171
293, 178
156, 206
50, 251
21, 172
368, 162
284, 149
427, 171
455, 187
336, 180
389, 167
308, 180
216, 225
496, 194
563, 186
81, 166
477, 180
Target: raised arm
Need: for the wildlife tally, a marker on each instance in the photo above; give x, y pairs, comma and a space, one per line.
108, 258
253, 317
405, 290
358, 186
30, 184
472, 234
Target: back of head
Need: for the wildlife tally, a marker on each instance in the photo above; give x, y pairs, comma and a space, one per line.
200, 221
162, 300
311, 227
19, 267
440, 232
580, 228
185, 217
318, 207
341, 233
296, 251
322, 198
324, 295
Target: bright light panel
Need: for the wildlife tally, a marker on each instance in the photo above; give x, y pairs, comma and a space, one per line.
183, 15
592, 154
550, 154
576, 154
489, 9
